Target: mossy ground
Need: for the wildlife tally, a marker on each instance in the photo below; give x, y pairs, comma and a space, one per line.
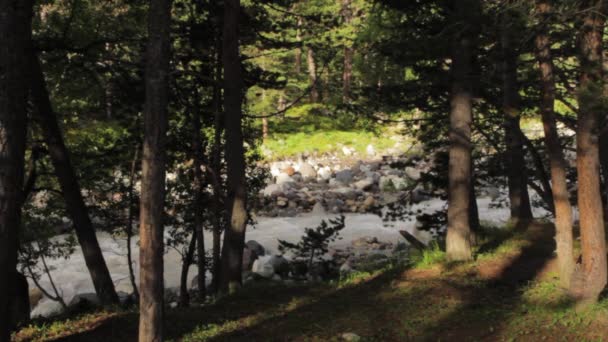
510, 292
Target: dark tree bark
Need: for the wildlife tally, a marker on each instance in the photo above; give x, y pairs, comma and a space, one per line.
298, 52
515, 163
131, 219
199, 184
312, 75
217, 166
234, 236
561, 201
60, 157
184, 296
15, 25
151, 311
458, 240
593, 243
347, 72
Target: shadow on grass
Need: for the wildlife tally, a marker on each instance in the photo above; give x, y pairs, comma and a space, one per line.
388, 307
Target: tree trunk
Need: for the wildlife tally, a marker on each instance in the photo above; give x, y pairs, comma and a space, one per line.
561, 201
151, 286
197, 154
593, 243
515, 162
15, 25
347, 72
217, 189
184, 296
234, 236
217, 167
604, 137
312, 75
60, 157
131, 219
298, 52
458, 240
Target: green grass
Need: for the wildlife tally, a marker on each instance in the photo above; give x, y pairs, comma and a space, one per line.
287, 145
316, 128
433, 256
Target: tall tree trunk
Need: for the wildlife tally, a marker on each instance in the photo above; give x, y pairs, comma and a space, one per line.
298, 52
234, 236
458, 240
197, 154
603, 133
131, 219
515, 162
561, 201
15, 25
593, 243
347, 72
217, 187
312, 75
151, 286
60, 157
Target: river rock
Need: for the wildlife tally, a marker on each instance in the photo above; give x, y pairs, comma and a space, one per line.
364, 184
412, 173
263, 268
35, 295
84, 299
307, 171
284, 178
290, 171
324, 173
282, 202
280, 265
273, 190
318, 209
369, 202
344, 176
351, 337
370, 150
392, 182
252, 251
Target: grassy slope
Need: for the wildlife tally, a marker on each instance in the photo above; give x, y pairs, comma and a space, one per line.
313, 128
509, 293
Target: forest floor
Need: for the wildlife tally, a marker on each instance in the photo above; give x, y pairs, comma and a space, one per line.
509, 292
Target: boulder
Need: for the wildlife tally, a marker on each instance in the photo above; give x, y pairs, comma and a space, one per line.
284, 178
250, 255
344, 176
256, 247
307, 171
84, 299
274, 190
280, 265
35, 295
364, 184
412, 173
262, 267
